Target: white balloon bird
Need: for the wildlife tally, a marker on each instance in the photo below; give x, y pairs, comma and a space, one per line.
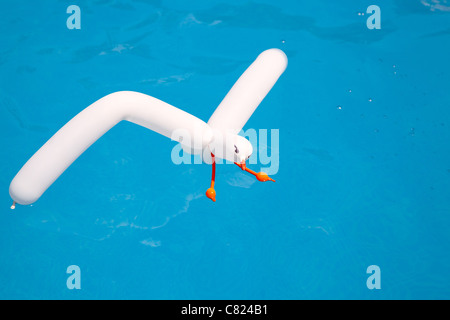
219, 136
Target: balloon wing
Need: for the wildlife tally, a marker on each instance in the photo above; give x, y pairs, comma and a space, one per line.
61, 150
248, 92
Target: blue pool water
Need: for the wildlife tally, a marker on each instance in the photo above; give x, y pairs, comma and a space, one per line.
364, 177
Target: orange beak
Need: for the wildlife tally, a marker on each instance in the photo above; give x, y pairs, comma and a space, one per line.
243, 166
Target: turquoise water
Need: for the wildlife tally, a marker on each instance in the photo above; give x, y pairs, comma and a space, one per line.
364, 174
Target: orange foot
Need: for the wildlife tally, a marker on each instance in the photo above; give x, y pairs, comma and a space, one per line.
262, 176
211, 193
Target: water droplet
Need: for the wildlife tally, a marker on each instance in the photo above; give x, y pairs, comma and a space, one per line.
370, 100
339, 107
283, 41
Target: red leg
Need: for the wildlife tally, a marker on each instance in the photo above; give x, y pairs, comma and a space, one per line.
211, 193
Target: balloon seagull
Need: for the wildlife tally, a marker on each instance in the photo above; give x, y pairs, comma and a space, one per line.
219, 136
